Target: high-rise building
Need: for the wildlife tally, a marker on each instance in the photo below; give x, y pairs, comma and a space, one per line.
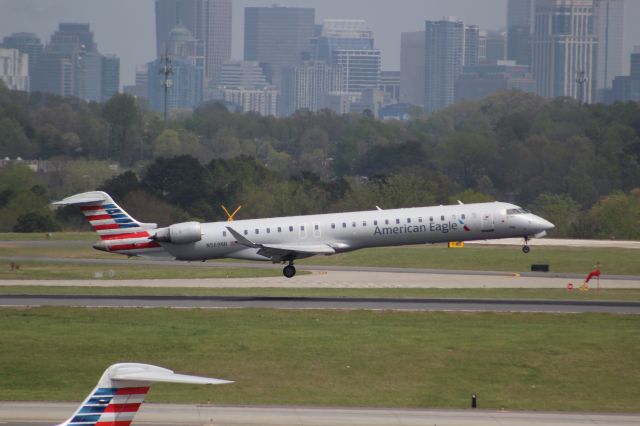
493, 47
478, 81
627, 88
306, 85
215, 32
471, 45
209, 21
349, 44
520, 15
110, 76
140, 89
444, 51
390, 86
277, 36
564, 49
244, 84
187, 73
28, 43
14, 69
342, 34
71, 65
609, 15
170, 13
361, 68
412, 56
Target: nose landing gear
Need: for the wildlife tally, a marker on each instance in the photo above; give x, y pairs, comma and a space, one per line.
289, 271
526, 249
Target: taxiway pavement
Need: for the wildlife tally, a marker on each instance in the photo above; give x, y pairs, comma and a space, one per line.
39, 414
346, 303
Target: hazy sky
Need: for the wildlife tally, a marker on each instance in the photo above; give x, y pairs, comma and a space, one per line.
127, 27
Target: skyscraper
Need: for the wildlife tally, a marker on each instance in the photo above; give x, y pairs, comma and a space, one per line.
361, 68
609, 15
348, 43
110, 76
471, 44
188, 73
519, 27
277, 36
564, 48
342, 34
14, 69
494, 49
215, 31
412, 73
209, 21
306, 85
627, 88
28, 43
444, 43
71, 65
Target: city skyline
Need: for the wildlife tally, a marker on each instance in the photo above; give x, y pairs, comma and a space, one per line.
135, 41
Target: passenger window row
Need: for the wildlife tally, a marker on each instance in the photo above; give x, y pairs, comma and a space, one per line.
344, 225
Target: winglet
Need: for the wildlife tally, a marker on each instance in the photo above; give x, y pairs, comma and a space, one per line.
121, 391
242, 240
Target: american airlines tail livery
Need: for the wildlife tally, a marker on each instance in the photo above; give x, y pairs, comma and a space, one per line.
285, 239
120, 393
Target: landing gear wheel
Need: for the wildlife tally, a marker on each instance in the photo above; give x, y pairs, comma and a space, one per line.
526, 249
289, 271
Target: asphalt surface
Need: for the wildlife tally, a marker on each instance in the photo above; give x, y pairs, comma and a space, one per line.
37, 414
348, 303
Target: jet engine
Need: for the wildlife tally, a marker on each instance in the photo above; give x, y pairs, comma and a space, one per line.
180, 233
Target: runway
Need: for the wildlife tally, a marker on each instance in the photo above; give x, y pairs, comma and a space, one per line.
40, 414
347, 303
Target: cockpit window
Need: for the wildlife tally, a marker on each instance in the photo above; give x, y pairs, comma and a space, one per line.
517, 211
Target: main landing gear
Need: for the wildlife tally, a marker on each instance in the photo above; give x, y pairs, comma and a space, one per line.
526, 249
289, 271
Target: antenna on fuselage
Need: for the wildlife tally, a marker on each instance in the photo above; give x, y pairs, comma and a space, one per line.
230, 216
461, 203
378, 208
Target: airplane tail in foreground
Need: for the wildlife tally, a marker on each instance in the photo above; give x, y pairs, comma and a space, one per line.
119, 232
121, 391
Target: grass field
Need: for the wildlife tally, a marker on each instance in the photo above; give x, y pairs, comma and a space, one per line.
77, 271
582, 362
47, 236
467, 293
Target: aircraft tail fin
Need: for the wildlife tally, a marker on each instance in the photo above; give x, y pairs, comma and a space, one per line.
120, 393
107, 218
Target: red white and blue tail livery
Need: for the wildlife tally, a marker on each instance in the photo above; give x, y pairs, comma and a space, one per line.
121, 391
118, 231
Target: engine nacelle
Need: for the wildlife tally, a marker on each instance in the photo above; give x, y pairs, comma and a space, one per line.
180, 233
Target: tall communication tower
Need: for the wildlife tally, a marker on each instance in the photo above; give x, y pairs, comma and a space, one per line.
166, 69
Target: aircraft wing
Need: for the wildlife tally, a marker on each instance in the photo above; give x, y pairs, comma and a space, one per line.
279, 252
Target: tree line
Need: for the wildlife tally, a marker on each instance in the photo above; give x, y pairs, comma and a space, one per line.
576, 164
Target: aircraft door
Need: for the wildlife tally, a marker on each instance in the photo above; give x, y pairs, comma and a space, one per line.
316, 230
487, 222
303, 231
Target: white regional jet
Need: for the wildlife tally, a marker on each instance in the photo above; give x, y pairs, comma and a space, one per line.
285, 239
121, 390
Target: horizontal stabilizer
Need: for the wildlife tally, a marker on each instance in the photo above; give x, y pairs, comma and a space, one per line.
84, 198
167, 376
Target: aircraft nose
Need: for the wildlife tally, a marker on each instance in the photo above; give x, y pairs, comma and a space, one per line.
544, 224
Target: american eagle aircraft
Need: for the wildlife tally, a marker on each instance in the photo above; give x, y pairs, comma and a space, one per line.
285, 239
121, 390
